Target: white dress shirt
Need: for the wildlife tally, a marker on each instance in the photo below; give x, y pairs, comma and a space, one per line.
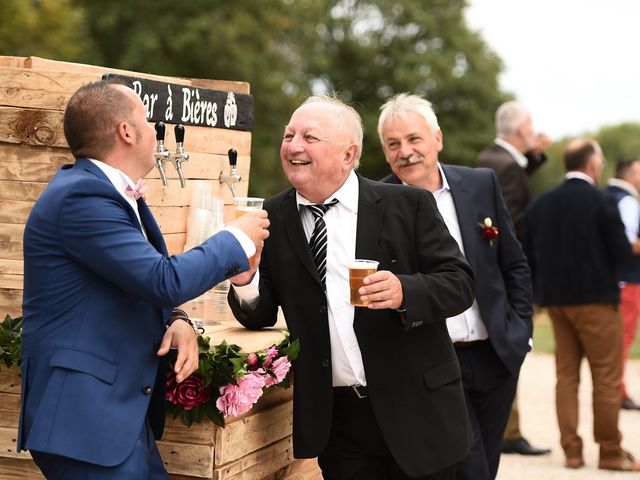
341, 221
468, 325
515, 153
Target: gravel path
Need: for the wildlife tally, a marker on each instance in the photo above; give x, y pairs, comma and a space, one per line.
538, 423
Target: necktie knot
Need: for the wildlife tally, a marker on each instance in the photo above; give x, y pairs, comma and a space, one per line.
319, 209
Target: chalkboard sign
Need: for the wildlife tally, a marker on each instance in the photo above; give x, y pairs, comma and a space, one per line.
173, 103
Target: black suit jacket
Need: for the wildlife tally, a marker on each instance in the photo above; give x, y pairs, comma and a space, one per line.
573, 239
503, 280
413, 376
513, 179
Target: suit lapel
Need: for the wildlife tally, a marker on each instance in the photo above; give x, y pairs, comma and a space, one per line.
297, 239
370, 214
466, 213
151, 227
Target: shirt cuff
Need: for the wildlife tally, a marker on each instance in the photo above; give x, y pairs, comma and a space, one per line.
249, 294
245, 242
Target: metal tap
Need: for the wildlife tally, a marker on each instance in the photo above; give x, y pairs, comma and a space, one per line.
180, 155
233, 176
162, 154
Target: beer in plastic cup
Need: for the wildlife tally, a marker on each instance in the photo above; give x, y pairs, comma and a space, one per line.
358, 269
243, 205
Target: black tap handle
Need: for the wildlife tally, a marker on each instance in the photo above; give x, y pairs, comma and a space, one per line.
233, 157
179, 133
160, 131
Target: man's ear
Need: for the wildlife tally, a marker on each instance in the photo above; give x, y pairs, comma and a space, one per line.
126, 133
350, 154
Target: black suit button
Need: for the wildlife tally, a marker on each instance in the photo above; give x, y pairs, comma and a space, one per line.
323, 309
147, 389
325, 363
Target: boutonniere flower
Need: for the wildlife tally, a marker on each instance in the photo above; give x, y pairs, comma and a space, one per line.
488, 231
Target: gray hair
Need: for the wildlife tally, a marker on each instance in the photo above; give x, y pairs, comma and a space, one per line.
403, 104
350, 119
509, 116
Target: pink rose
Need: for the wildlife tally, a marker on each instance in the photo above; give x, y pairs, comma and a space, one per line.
189, 393
272, 352
237, 399
252, 361
280, 368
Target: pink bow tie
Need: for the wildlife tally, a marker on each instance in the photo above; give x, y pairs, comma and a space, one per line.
138, 191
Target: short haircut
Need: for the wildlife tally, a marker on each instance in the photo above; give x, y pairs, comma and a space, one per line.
402, 105
350, 120
623, 166
578, 154
509, 116
92, 116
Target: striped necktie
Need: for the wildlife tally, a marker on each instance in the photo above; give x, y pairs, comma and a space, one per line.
318, 241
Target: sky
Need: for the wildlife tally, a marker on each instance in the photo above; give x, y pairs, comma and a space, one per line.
574, 63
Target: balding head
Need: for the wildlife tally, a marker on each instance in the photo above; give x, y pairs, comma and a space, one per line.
584, 155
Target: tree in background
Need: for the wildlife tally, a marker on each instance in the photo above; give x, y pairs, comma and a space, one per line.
366, 51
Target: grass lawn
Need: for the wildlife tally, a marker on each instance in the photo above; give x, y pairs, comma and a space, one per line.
543, 340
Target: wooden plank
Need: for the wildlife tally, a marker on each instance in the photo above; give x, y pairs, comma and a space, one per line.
21, 190
10, 379
19, 469
9, 410
11, 281
32, 126
187, 459
171, 219
12, 211
256, 431
45, 64
10, 301
199, 433
12, 267
175, 242
258, 465
26, 163
8, 443
40, 127
306, 469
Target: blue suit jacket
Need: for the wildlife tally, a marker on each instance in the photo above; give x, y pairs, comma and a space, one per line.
97, 296
503, 280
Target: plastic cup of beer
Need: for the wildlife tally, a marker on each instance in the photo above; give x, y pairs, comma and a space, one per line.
244, 205
358, 269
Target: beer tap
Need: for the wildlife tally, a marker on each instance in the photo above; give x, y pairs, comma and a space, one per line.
180, 155
162, 154
233, 176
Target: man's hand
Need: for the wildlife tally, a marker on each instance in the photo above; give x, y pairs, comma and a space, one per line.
245, 278
382, 290
180, 336
255, 225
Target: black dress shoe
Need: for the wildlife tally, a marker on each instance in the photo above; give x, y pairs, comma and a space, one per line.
523, 447
628, 404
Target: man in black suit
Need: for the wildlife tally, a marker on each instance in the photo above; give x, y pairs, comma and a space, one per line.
515, 154
377, 389
492, 337
573, 237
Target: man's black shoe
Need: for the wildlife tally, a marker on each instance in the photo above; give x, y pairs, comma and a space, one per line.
628, 404
523, 447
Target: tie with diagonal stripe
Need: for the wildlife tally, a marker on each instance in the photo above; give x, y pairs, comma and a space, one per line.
318, 241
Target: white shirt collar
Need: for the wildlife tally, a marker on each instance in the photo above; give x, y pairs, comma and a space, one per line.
347, 194
517, 156
118, 178
624, 185
579, 175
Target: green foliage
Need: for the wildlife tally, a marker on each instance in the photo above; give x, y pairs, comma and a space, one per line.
10, 341
46, 28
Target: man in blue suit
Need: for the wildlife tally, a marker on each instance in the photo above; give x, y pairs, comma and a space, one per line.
99, 288
492, 337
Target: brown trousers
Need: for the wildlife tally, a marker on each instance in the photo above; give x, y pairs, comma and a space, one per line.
593, 331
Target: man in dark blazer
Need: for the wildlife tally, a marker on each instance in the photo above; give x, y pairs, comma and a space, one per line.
377, 391
516, 153
493, 336
574, 238
99, 289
